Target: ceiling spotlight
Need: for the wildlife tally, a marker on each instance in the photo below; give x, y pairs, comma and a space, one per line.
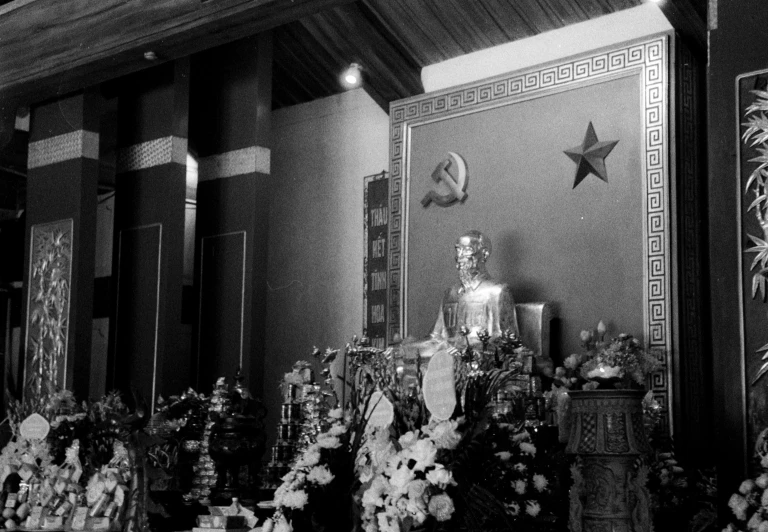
352, 77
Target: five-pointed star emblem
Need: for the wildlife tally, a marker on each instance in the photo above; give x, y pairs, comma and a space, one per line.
590, 156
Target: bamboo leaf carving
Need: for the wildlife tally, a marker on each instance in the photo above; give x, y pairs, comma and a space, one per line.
756, 136
49, 306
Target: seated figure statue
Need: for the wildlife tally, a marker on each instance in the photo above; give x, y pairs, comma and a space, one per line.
477, 301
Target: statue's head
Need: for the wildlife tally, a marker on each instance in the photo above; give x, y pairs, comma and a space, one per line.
472, 250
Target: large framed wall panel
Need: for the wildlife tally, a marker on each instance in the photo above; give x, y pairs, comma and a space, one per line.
753, 336
599, 250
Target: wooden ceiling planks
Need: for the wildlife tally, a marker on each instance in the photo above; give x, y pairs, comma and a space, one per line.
417, 25
54, 47
349, 37
51, 47
302, 69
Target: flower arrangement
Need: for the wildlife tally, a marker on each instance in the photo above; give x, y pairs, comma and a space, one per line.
322, 475
402, 482
474, 471
750, 503
620, 362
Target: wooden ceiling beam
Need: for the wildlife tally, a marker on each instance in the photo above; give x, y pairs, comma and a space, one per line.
50, 47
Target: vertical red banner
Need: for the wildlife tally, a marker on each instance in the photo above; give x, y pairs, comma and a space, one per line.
376, 234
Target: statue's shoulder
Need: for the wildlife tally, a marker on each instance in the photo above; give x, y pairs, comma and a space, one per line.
495, 287
452, 293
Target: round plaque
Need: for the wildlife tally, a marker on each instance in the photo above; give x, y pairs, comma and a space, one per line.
439, 386
35, 427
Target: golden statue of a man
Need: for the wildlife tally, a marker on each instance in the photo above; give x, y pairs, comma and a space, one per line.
477, 302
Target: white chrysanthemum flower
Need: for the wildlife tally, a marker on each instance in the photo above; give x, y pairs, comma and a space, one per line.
441, 506
747, 486
416, 490
540, 482
337, 430
374, 495
520, 436
424, 453
336, 413
401, 478
295, 499
504, 456
572, 362
738, 505
439, 476
408, 439
283, 526
320, 475
755, 521
532, 508
328, 442
520, 487
527, 448
308, 459
445, 435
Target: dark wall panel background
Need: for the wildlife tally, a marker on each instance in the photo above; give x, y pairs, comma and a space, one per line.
138, 287
221, 304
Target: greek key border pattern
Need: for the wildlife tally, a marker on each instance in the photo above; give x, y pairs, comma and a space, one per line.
651, 59
78, 144
152, 153
237, 162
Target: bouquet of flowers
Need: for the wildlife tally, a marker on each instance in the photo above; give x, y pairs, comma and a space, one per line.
474, 471
620, 362
750, 503
323, 474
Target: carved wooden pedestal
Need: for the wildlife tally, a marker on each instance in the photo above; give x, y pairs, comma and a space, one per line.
609, 492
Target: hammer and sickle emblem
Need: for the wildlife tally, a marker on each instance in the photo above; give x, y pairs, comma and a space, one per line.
447, 187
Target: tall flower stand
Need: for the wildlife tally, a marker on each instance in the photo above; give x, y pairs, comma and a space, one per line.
608, 437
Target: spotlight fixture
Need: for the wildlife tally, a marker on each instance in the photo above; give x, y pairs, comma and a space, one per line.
352, 77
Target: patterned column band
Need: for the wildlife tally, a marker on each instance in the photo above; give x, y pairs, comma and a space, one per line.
237, 162
74, 145
152, 153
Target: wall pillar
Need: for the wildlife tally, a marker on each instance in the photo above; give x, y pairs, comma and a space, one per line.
149, 351
63, 169
231, 98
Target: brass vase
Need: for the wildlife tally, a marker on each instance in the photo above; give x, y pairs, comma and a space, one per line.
607, 435
234, 443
